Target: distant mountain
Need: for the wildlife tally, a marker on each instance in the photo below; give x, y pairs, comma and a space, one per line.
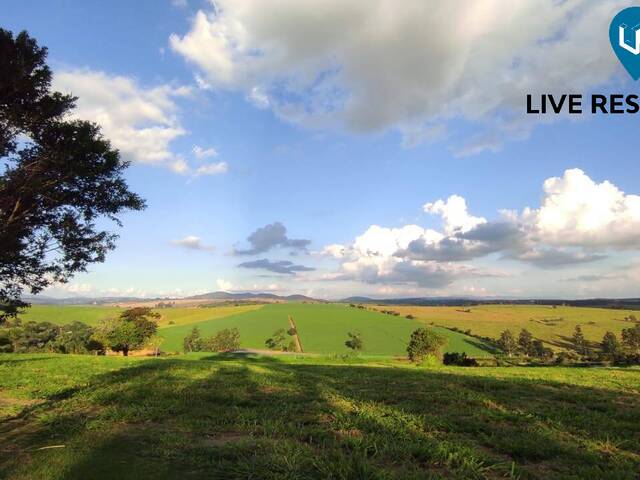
251, 296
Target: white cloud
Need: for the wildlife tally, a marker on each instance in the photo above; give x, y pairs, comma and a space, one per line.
140, 122
578, 211
203, 153
579, 221
378, 64
455, 215
179, 3
191, 242
212, 169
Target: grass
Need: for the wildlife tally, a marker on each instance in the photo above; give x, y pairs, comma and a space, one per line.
554, 326
217, 416
64, 314
323, 329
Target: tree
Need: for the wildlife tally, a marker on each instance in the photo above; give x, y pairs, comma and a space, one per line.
525, 341
610, 345
154, 343
61, 179
193, 342
507, 342
34, 337
538, 350
225, 340
354, 341
631, 339
278, 341
423, 343
130, 331
74, 338
579, 342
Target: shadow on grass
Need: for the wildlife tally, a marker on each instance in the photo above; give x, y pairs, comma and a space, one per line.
251, 416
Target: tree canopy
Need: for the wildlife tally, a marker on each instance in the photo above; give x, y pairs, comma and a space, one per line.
60, 177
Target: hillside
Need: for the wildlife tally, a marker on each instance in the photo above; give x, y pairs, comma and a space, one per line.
553, 325
217, 416
323, 329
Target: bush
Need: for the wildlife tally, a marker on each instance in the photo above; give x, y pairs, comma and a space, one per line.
354, 341
459, 359
424, 343
566, 358
225, 340
627, 359
278, 341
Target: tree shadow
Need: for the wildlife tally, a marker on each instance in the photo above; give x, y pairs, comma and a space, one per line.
234, 417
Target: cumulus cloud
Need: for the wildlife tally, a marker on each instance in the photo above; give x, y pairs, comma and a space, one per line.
377, 64
140, 122
279, 266
202, 153
191, 242
272, 236
579, 221
577, 211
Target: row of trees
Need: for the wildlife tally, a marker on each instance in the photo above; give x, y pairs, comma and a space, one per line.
132, 330
609, 348
223, 341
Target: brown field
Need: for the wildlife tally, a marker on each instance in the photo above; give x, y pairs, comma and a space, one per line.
554, 326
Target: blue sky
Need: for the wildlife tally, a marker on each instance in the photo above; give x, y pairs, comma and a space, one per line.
328, 118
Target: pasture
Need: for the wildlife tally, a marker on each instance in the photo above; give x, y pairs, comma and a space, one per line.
322, 329
554, 326
225, 416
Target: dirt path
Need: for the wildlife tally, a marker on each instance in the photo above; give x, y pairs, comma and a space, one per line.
296, 337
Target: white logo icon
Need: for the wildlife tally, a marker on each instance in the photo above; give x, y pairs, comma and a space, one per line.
636, 34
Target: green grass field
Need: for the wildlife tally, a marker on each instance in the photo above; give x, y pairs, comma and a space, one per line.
322, 329
554, 326
221, 416
64, 314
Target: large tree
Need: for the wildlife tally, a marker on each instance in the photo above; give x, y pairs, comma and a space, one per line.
60, 177
130, 331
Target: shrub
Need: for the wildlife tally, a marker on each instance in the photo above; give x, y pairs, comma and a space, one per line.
278, 341
507, 343
354, 341
193, 342
225, 340
610, 346
459, 359
424, 343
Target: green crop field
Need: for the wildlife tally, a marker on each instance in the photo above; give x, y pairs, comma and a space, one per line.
555, 326
322, 329
223, 416
64, 314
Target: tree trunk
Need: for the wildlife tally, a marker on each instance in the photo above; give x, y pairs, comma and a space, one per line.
125, 352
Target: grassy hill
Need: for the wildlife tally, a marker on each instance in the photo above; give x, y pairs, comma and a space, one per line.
322, 329
220, 416
555, 326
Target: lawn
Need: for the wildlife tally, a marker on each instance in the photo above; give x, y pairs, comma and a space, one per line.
555, 326
217, 416
323, 329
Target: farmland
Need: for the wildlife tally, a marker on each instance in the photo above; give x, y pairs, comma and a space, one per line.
322, 327
552, 325
223, 416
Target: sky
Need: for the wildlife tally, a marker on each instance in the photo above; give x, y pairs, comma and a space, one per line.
336, 148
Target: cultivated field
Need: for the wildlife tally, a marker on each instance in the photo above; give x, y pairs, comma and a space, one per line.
322, 327
217, 416
553, 325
